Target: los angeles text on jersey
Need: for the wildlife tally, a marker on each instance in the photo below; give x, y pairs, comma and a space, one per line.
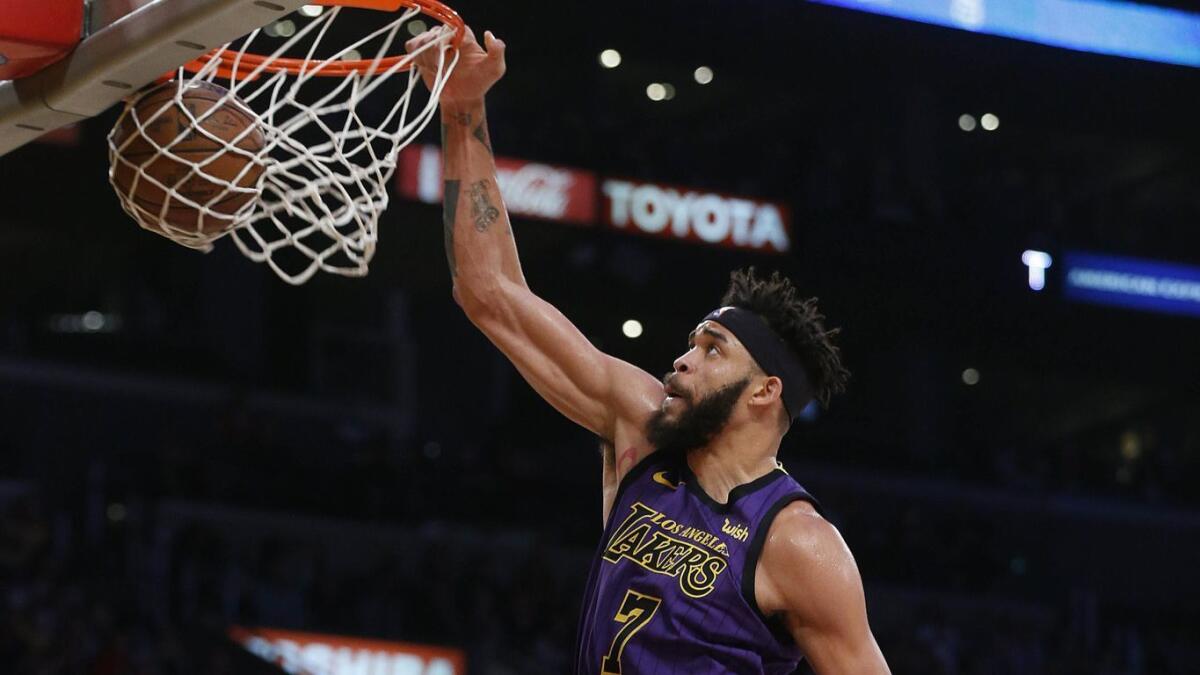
645, 538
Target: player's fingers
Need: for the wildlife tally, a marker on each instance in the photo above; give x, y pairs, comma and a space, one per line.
419, 41
495, 49
426, 58
423, 37
469, 36
493, 43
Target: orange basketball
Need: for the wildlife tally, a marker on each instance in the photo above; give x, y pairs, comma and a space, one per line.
192, 164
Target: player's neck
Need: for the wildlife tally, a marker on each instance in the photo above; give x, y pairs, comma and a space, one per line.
733, 458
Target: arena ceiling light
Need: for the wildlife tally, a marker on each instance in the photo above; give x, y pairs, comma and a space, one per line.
91, 321
610, 58
283, 28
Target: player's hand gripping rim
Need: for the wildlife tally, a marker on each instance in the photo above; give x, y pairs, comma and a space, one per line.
479, 67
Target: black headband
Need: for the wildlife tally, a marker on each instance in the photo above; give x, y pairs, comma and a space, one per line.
769, 351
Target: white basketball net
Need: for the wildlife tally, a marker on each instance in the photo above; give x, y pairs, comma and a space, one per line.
330, 151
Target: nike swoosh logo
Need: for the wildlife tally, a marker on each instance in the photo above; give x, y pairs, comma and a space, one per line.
661, 479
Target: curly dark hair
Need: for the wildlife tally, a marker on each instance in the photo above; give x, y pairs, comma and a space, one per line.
797, 321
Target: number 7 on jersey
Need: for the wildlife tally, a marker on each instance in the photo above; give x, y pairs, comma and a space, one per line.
636, 611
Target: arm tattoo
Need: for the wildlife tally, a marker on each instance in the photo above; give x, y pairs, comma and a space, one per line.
449, 211
483, 211
481, 133
628, 459
464, 119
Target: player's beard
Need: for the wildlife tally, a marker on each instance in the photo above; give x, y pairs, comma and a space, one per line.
699, 422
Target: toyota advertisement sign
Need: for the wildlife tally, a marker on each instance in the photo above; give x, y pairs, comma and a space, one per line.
710, 218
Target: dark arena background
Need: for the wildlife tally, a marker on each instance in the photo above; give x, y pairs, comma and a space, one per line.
205, 470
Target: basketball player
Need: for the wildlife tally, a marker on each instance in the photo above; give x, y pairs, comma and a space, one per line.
713, 559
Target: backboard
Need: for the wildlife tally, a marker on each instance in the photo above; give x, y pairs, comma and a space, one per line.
125, 45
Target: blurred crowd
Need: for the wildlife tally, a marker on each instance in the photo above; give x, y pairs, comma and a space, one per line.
140, 564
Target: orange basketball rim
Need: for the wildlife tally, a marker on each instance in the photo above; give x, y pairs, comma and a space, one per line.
240, 65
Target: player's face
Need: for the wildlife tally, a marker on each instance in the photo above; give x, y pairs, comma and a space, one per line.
714, 360
703, 391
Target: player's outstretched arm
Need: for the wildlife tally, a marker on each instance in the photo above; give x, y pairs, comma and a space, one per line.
595, 390
807, 574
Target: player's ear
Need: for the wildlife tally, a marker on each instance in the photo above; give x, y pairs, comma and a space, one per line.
766, 391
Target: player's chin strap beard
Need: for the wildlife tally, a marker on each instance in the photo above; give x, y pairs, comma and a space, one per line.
770, 352
698, 423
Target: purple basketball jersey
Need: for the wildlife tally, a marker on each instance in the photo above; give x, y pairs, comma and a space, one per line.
671, 589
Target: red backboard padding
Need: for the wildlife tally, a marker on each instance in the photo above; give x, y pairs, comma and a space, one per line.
36, 33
